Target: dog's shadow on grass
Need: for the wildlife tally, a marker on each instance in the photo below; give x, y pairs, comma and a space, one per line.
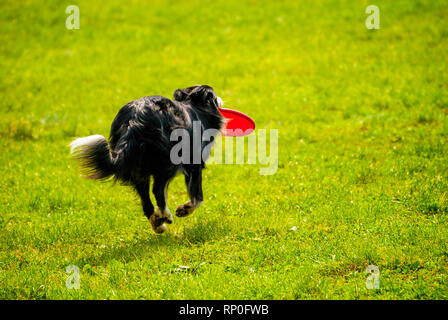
149, 244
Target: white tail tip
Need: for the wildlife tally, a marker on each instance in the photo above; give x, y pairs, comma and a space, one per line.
77, 144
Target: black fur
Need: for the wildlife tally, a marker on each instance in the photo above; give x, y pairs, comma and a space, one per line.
139, 145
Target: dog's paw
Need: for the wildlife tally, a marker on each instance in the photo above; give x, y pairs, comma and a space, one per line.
158, 228
168, 216
184, 209
158, 219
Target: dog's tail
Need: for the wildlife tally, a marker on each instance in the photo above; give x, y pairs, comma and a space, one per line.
94, 156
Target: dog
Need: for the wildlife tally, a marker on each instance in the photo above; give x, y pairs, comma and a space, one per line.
139, 148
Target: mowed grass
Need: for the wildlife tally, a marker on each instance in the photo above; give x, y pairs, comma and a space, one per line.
362, 123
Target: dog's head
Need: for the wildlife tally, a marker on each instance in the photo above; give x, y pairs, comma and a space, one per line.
203, 97
204, 100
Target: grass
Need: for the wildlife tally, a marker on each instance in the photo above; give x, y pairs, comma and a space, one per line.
362, 122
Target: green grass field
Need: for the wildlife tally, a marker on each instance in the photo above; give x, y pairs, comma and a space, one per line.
362, 122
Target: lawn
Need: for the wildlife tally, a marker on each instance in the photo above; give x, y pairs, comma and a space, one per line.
362, 150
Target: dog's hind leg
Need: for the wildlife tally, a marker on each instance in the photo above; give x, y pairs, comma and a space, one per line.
161, 213
193, 180
142, 189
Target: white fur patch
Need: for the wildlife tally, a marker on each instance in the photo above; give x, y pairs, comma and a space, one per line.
77, 144
157, 215
220, 102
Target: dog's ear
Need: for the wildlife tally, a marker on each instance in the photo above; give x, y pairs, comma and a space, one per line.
203, 96
180, 95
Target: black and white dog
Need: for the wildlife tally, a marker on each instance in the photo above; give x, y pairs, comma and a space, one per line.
139, 148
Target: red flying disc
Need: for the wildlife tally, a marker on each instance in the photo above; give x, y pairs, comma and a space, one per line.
238, 123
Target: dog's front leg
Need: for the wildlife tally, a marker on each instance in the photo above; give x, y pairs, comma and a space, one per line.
161, 213
193, 180
142, 187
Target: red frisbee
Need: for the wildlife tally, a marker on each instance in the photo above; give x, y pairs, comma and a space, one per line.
238, 123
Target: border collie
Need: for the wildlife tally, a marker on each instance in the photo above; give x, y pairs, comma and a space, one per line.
139, 148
